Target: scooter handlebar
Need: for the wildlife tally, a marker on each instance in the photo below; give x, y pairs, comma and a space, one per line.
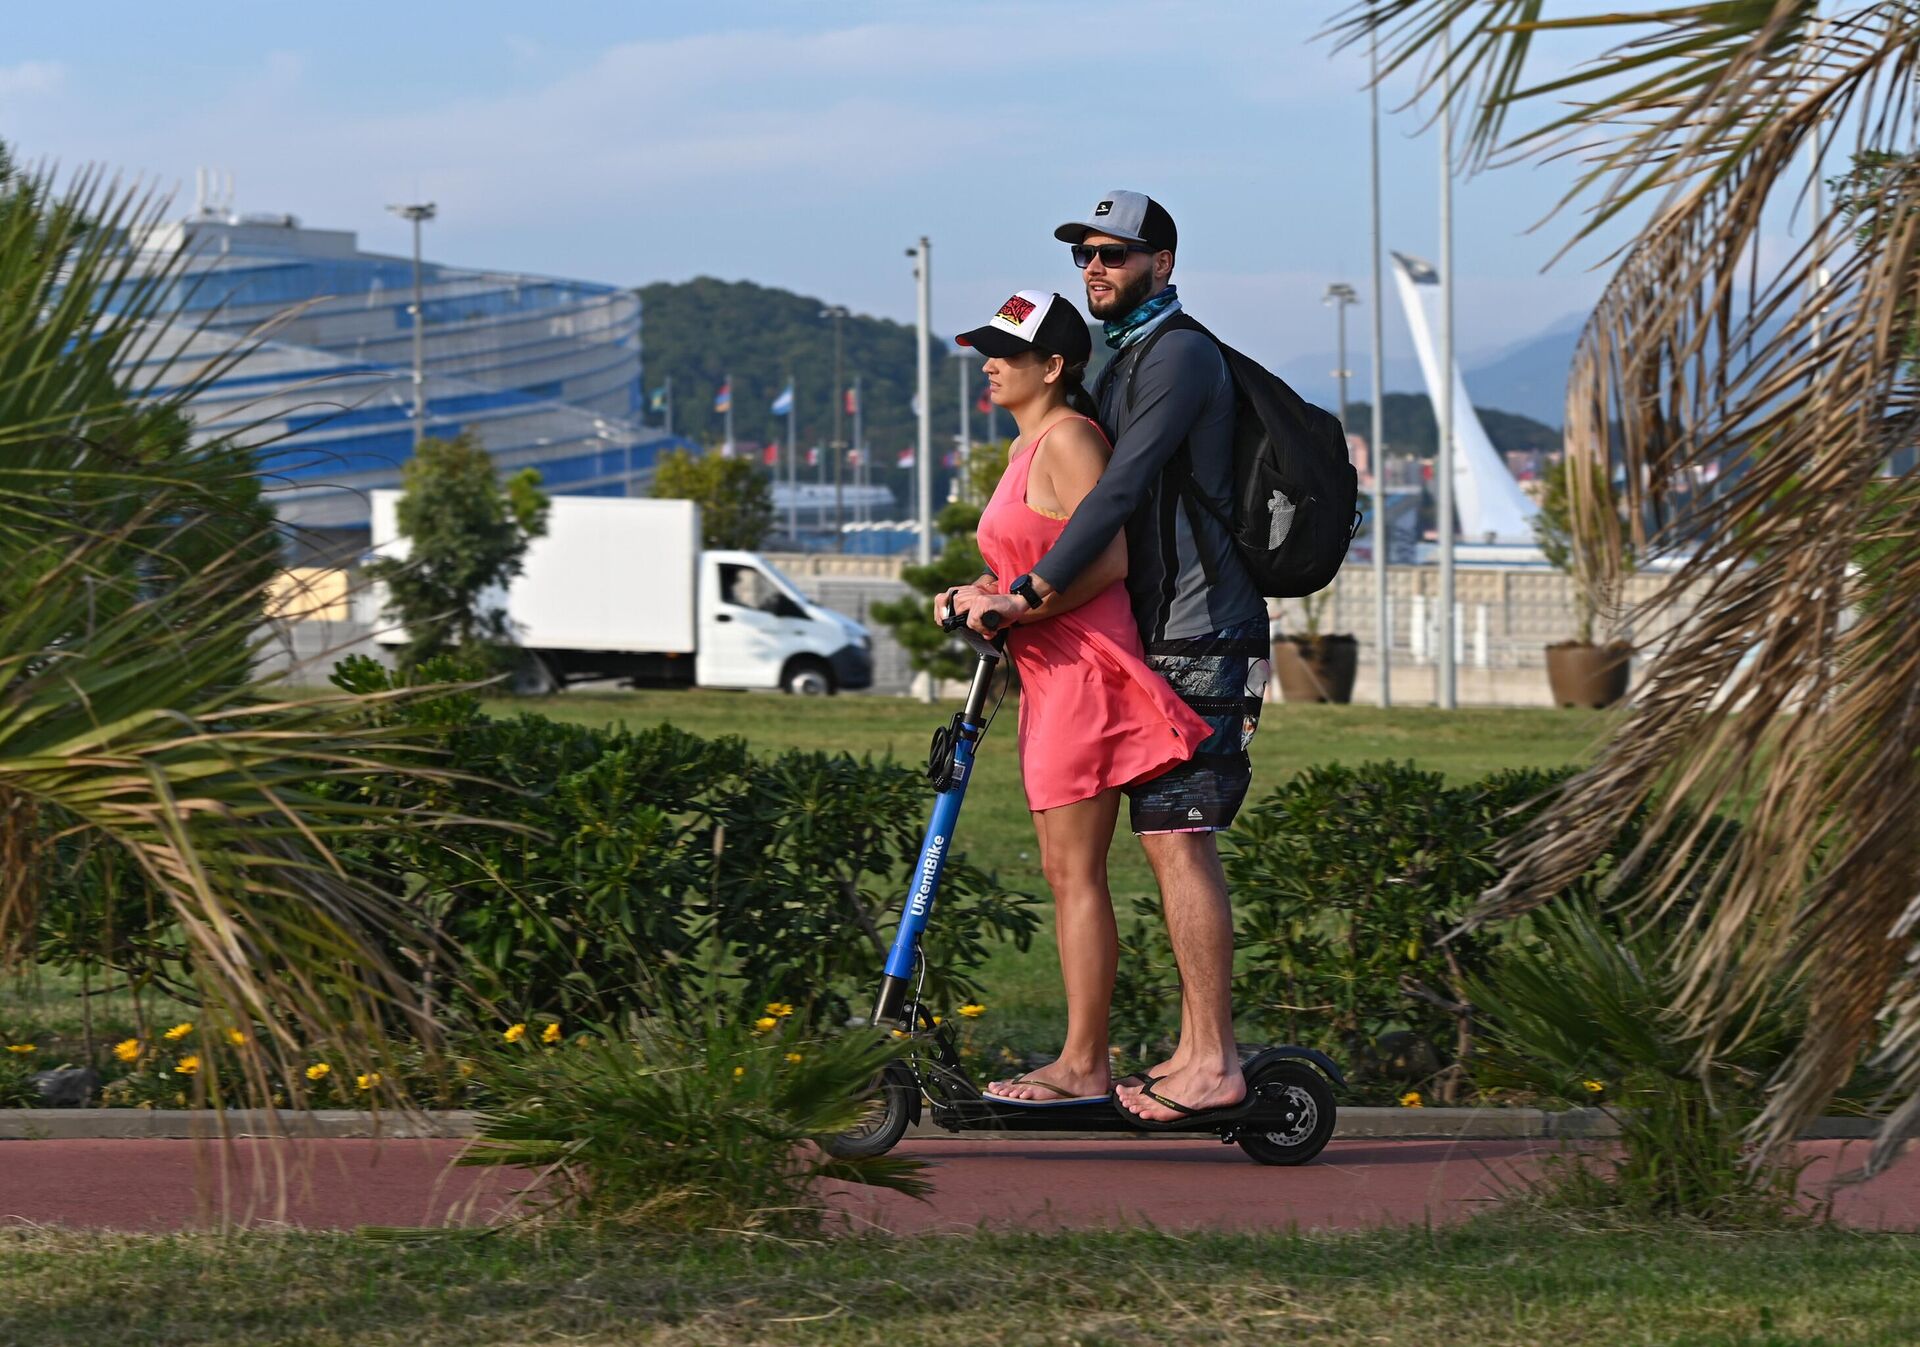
956, 623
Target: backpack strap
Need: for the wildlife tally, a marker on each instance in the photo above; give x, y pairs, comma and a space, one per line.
1180, 467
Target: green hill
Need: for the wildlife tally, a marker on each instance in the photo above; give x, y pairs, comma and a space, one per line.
702, 330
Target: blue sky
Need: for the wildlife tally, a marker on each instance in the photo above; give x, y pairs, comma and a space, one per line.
804, 145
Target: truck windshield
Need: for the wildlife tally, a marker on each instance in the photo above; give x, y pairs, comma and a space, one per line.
750, 587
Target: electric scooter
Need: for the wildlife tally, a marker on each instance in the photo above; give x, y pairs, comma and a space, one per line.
1289, 1113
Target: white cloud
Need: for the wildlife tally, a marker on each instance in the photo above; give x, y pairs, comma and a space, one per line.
30, 79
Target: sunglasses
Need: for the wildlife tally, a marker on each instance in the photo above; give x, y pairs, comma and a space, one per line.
1110, 254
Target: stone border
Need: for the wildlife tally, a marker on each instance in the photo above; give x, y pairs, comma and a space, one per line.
1404, 1124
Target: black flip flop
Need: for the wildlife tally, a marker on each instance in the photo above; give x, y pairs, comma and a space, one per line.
1190, 1119
1147, 1082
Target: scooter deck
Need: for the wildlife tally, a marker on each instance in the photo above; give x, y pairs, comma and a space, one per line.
980, 1114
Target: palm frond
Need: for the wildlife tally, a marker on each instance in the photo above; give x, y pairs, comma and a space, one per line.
1792, 694
134, 556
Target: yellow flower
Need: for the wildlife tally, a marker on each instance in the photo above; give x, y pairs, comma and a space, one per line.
795, 1057
936, 1019
780, 1008
319, 1071
127, 1049
235, 1037
367, 1081
178, 1032
899, 1033
515, 1033
550, 1034
1593, 1086
465, 1068
972, 1010
765, 1024
20, 1047
739, 1071
1411, 1099
186, 1066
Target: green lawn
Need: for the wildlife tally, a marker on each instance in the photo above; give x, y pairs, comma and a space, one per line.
1498, 1282
995, 827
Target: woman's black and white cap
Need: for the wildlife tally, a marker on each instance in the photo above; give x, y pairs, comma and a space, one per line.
1029, 319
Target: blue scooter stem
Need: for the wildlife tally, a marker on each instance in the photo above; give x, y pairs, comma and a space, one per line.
924, 883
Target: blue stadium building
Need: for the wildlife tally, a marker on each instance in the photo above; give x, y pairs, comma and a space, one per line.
546, 373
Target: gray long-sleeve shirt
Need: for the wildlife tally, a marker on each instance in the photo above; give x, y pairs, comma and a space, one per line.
1182, 394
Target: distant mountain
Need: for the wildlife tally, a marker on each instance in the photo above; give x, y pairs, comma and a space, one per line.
1531, 375
1409, 426
1528, 377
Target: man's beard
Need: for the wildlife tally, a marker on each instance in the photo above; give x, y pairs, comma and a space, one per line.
1125, 299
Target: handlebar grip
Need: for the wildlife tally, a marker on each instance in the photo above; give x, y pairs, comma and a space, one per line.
990, 621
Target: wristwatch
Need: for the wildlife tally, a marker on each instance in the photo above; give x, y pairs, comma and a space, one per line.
1022, 585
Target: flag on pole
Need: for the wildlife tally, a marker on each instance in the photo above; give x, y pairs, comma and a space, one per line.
657, 400
813, 456
905, 460
853, 458
853, 402
784, 403
985, 405
723, 400
771, 455
950, 459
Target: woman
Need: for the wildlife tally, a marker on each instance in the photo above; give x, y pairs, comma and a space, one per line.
1093, 716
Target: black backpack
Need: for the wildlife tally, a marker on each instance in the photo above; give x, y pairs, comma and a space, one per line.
1295, 493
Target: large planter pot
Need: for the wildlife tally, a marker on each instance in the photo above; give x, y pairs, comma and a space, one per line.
1316, 668
1583, 674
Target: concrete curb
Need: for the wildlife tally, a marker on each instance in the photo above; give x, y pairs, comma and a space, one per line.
1401, 1124
120, 1124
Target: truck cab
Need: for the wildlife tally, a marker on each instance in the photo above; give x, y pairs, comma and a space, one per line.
758, 631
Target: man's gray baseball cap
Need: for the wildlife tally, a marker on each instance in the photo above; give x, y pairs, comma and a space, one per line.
1133, 216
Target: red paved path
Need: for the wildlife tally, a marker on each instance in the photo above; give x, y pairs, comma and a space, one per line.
166, 1185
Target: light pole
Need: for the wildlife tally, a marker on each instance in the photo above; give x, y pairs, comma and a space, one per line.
1446, 697
419, 213
923, 271
1339, 295
1382, 622
838, 314
964, 357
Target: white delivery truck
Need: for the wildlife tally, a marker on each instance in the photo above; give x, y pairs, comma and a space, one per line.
620, 588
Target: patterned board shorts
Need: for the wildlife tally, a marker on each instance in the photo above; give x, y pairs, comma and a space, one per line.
1223, 677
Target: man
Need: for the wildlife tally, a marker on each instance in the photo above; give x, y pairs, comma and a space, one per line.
1208, 638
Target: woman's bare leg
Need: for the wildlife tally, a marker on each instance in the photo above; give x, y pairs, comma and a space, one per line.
1073, 853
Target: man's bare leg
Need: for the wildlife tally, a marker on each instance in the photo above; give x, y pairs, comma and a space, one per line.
1073, 854
1204, 1071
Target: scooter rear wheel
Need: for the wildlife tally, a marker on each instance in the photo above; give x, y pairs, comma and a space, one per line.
889, 1110
1296, 1116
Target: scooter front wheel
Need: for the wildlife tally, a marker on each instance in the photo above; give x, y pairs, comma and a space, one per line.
888, 1111
1296, 1115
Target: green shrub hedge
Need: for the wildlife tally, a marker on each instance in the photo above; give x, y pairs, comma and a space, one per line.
592, 874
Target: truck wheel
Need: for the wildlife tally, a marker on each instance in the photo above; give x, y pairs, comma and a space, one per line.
808, 678
533, 676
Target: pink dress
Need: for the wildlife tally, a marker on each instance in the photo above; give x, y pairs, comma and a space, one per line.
1093, 715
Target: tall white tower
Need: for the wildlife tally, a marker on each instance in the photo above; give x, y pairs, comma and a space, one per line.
1488, 503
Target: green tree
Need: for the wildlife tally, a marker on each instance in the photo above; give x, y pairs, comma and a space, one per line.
467, 533
910, 618
735, 499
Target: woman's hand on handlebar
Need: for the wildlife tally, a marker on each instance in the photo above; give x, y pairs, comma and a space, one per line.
953, 596
1005, 607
